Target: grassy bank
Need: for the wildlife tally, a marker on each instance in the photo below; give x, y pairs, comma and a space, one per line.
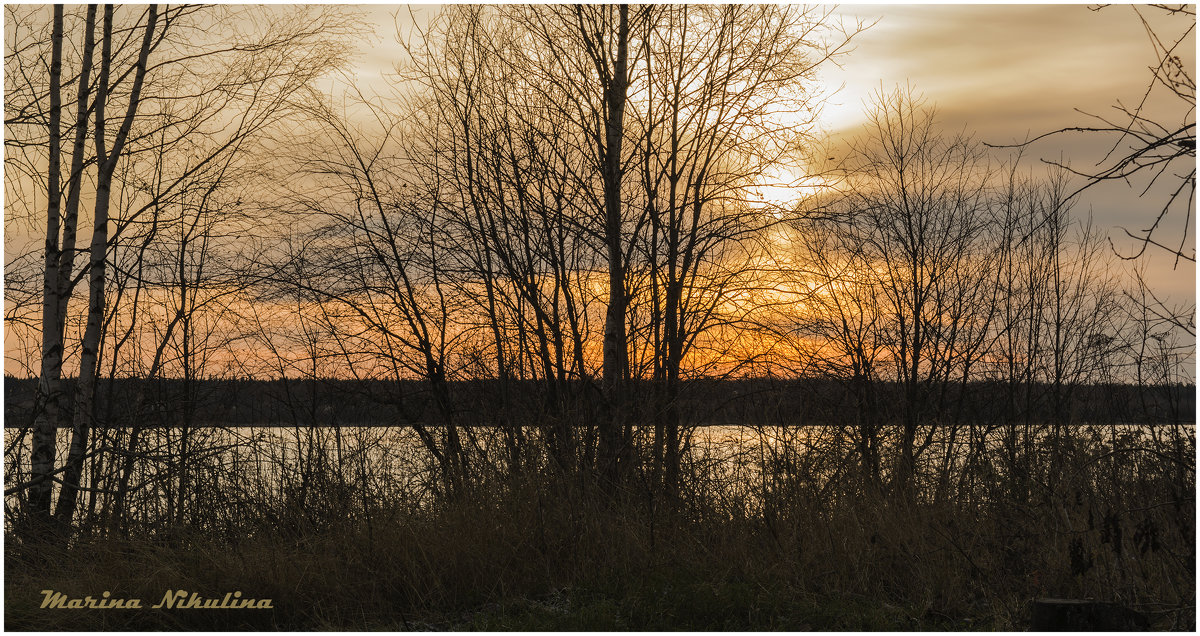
561, 572
786, 533
531, 565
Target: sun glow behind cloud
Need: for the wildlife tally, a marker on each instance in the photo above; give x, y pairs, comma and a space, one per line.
1006, 73
784, 190
1001, 71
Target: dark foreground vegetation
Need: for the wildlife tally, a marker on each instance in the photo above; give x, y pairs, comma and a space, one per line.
771, 528
783, 529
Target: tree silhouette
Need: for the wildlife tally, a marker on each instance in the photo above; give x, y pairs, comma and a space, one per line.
1145, 146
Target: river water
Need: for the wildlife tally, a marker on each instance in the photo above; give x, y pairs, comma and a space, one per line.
246, 463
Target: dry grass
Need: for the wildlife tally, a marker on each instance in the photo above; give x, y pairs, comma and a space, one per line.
801, 547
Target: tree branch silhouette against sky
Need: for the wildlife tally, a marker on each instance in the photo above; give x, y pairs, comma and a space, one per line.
1008, 73
1002, 73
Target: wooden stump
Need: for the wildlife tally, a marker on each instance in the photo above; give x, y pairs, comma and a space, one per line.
1069, 615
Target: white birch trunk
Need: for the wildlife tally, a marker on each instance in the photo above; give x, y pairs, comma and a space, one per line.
107, 160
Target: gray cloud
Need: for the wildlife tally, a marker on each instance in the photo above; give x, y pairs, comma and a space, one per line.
1010, 72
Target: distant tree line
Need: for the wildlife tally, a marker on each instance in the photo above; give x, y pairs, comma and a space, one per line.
784, 402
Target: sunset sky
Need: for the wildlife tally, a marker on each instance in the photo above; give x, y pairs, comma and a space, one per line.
1008, 72
1004, 72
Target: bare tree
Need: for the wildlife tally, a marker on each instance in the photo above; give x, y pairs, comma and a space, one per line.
371, 257
584, 59
22, 118
728, 101
518, 225
841, 311
1154, 140
191, 92
920, 208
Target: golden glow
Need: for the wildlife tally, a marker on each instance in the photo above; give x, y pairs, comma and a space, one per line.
785, 189
1000, 100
